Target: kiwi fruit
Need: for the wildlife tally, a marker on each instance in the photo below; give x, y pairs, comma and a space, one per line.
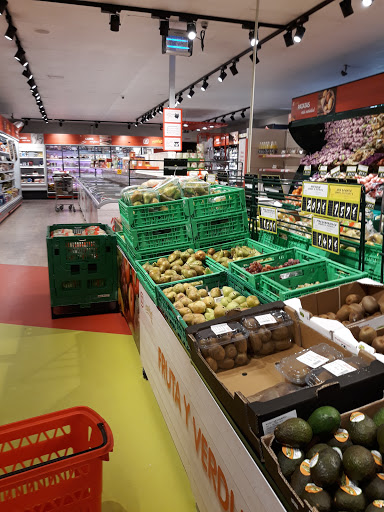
226, 364
241, 345
358, 308
354, 316
230, 351
367, 334
267, 348
255, 342
241, 359
331, 316
324, 316
283, 345
280, 333
353, 298
265, 334
370, 304
212, 363
378, 344
217, 352
343, 314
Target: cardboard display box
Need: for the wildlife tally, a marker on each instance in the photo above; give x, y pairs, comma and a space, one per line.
349, 336
235, 388
273, 466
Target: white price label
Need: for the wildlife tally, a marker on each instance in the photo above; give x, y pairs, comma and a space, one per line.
312, 359
339, 367
266, 319
270, 425
221, 329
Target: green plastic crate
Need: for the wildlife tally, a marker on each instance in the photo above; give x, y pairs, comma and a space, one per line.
275, 242
82, 268
121, 241
299, 241
153, 215
248, 242
214, 231
238, 268
232, 200
157, 240
282, 284
221, 279
150, 286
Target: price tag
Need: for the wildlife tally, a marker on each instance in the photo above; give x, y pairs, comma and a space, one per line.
326, 234
323, 170
314, 198
351, 171
212, 178
118, 171
221, 329
335, 172
362, 170
307, 170
344, 201
339, 367
370, 202
266, 319
268, 219
294, 273
380, 172
312, 359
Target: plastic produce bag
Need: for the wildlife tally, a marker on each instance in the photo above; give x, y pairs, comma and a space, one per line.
140, 196
169, 190
195, 188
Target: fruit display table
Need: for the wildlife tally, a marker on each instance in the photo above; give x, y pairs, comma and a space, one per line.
224, 476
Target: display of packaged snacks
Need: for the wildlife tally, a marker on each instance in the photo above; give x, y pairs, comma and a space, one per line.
169, 190
335, 369
296, 367
136, 196
224, 346
269, 333
194, 188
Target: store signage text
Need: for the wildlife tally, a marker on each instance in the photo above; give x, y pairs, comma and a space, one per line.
172, 131
326, 234
102, 140
332, 200
213, 471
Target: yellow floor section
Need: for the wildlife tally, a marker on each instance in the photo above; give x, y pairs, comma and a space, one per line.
44, 370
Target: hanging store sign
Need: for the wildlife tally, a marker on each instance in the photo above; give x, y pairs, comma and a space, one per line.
101, 140
326, 234
268, 219
8, 127
172, 129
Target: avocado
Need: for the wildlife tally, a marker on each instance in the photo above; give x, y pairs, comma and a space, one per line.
374, 490
316, 448
362, 430
294, 432
377, 457
287, 463
375, 506
379, 417
380, 438
340, 440
325, 468
359, 463
349, 502
317, 497
324, 420
301, 477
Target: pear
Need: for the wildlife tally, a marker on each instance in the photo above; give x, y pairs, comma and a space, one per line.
227, 290
224, 302
252, 301
232, 305
220, 311
233, 295
241, 299
215, 292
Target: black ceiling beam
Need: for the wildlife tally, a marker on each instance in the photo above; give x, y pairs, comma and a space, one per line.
232, 112
161, 14
86, 121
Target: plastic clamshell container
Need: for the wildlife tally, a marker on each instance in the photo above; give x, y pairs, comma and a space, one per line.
195, 188
269, 333
296, 367
335, 369
224, 346
169, 190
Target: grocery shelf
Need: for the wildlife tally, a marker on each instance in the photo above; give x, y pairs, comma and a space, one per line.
4, 153
32, 166
42, 185
32, 175
3, 181
5, 208
32, 157
282, 156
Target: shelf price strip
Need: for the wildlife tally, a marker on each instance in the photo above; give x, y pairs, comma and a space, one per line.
268, 219
307, 170
326, 234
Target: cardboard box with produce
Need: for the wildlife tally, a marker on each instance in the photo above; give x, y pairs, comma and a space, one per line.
330, 461
264, 365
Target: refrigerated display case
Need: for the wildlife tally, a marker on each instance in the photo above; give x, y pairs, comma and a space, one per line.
64, 159
32, 167
10, 194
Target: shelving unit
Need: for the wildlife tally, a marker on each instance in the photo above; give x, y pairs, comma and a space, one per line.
32, 167
10, 196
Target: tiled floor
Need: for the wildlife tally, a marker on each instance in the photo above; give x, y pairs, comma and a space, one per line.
47, 365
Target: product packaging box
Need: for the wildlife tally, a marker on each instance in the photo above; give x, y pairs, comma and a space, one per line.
238, 389
273, 466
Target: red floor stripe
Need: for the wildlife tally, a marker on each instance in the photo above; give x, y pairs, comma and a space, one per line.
24, 300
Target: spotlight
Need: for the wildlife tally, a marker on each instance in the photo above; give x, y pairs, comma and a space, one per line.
257, 58
10, 33
191, 92
164, 27
197, 129
96, 125
27, 73
346, 8
204, 87
252, 38
191, 31
223, 119
180, 98
243, 114
205, 128
61, 124
3, 5
137, 123
32, 84
232, 117
46, 121
161, 109
288, 38
23, 61
223, 74
19, 54
233, 68
211, 126
300, 31
25, 122
367, 3
344, 72
114, 22
129, 126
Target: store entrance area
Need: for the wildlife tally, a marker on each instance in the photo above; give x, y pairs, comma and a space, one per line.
49, 365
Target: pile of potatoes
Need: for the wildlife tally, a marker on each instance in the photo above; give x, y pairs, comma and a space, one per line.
200, 305
177, 266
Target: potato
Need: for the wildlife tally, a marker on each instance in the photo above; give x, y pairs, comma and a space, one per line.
267, 348
241, 345
370, 304
283, 345
255, 342
230, 351
217, 352
188, 319
198, 307
353, 298
343, 313
226, 364
212, 363
241, 359
198, 319
185, 311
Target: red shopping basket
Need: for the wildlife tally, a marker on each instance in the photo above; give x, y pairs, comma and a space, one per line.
54, 462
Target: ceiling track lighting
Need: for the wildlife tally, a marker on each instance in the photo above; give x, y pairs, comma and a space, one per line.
252, 39
300, 31
191, 92
367, 3
32, 84
164, 27
205, 84
96, 124
27, 73
114, 22
233, 68
257, 58
19, 54
129, 126
223, 119
3, 5
223, 74
243, 114
191, 31
346, 8
61, 123
288, 38
232, 118
137, 123
344, 71
10, 33
180, 98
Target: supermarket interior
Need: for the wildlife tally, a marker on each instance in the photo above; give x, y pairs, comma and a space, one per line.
191, 256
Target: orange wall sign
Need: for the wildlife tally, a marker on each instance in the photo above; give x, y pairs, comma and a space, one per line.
101, 140
25, 138
127, 140
8, 127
